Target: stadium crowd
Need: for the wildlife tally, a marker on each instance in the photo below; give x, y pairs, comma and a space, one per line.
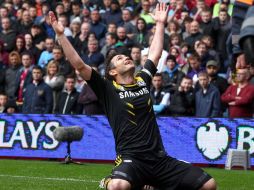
196, 72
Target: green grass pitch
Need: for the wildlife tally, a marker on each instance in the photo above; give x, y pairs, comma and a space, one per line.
49, 175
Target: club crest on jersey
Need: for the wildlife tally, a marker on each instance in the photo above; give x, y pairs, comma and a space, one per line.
141, 83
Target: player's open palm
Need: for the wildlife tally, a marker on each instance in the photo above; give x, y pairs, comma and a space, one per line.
161, 13
58, 27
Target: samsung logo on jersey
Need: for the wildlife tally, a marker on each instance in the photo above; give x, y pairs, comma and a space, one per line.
129, 94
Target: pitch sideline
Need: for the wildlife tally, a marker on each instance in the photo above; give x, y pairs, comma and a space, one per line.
48, 178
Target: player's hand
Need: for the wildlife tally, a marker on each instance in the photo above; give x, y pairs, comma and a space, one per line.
161, 13
58, 27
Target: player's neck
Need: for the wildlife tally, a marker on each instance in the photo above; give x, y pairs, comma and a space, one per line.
125, 79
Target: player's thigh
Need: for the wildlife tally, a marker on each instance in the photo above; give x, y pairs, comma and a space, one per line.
194, 179
131, 171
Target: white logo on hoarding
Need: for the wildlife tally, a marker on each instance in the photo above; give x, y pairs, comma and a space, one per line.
212, 140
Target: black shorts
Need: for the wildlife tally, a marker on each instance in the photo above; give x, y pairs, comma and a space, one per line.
165, 173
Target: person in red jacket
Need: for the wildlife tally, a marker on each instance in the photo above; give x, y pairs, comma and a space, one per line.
240, 97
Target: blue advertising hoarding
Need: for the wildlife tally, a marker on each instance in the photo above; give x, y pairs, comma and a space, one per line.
196, 140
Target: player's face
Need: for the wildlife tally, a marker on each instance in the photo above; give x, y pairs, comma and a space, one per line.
122, 64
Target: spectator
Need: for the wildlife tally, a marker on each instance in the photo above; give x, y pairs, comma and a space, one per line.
136, 57
3, 101
212, 69
114, 14
38, 97
223, 5
176, 52
240, 97
172, 28
207, 98
38, 36
89, 101
174, 40
67, 101
145, 13
54, 80
105, 6
47, 54
25, 23
11, 107
202, 50
59, 9
20, 44
31, 48
141, 36
206, 24
7, 35
127, 24
2, 76
195, 34
63, 65
96, 26
252, 74
123, 39
11, 72
160, 97
222, 27
183, 100
76, 10
4, 62
23, 78
75, 27
171, 76
42, 11
111, 39
93, 57
195, 67
80, 43
187, 27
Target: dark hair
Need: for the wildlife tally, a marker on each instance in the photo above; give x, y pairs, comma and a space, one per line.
186, 77
171, 57
110, 65
37, 67
157, 75
113, 35
70, 76
194, 56
27, 53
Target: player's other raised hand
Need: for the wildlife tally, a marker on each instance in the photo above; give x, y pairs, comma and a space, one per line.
58, 27
161, 13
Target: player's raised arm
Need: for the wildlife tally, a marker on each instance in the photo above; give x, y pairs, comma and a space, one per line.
156, 47
69, 51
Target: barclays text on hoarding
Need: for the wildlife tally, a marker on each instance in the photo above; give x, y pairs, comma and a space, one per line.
196, 140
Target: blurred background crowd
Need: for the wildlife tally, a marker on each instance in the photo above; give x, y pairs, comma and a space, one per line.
196, 72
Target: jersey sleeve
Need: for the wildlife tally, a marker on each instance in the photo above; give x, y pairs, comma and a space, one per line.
148, 72
98, 85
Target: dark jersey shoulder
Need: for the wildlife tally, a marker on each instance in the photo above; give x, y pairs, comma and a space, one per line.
130, 113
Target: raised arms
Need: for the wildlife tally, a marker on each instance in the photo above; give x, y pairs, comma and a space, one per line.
160, 17
69, 51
